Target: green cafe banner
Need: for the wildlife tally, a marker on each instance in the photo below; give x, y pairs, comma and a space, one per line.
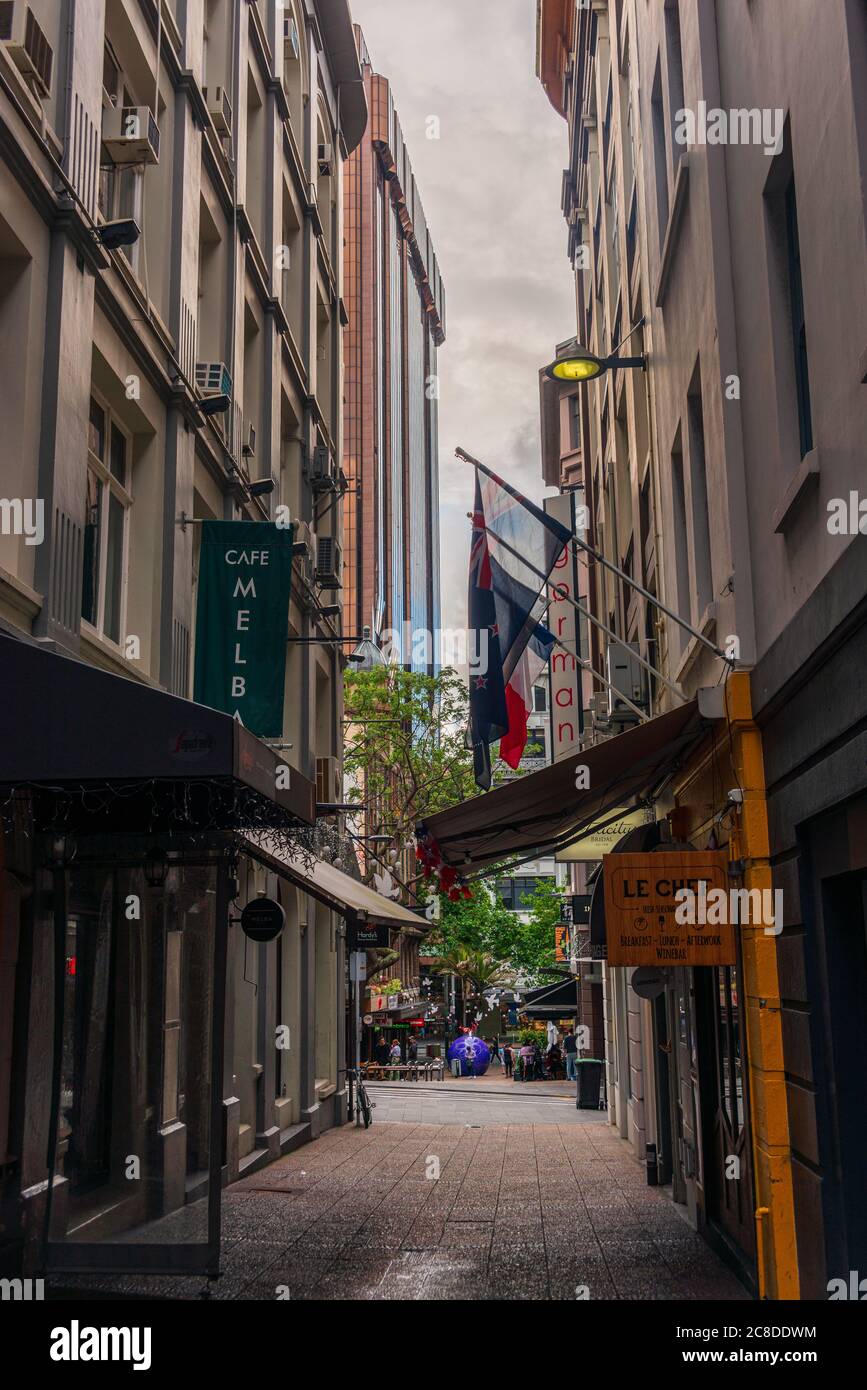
245, 579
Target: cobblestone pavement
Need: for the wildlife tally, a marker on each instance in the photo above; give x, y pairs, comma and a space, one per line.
529, 1211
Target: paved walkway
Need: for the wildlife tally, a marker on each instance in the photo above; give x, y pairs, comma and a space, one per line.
529, 1211
467, 1102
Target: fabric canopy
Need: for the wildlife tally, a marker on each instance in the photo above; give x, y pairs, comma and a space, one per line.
557, 1000
544, 810
339, 890
65, 721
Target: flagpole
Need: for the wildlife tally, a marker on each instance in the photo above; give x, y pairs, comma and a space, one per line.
588, 666
585, 612
633, 583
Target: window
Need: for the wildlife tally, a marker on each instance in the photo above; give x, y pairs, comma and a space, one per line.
660, 167
674, 64
513, 891
105, 529
575, 420
120, 187
703, 577
540, 699
799, 331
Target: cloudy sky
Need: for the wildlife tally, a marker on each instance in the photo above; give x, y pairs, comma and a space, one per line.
490, 186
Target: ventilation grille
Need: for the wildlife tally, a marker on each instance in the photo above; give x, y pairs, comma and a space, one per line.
67, 551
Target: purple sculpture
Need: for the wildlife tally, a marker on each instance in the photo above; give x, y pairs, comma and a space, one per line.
473, 1054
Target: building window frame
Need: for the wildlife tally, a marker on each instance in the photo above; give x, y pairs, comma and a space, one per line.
107, 490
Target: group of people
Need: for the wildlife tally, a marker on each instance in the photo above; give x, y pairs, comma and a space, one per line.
528, 1062
392, 1056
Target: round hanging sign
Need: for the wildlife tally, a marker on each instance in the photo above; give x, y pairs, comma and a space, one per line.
262, 919
648, 981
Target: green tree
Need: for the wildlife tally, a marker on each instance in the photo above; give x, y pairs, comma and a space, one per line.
478, 971
404, 751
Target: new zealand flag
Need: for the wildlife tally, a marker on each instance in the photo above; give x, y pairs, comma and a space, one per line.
514, 548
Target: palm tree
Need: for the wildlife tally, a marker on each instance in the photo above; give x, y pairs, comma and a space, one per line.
478, 972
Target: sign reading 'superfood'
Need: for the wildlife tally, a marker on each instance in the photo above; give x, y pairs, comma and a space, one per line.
245, 578
656, 909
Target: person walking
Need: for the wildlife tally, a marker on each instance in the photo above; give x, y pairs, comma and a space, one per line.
507, 1060
380, 1052
494, 1045
528, 1055
570, 1052
394, 1058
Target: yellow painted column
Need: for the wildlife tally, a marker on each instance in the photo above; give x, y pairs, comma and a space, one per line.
776, 1246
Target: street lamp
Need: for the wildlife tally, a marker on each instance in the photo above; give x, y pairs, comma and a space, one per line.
579, 364
367, 654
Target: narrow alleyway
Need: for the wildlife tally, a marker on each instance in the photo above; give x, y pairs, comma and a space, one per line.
527, 1210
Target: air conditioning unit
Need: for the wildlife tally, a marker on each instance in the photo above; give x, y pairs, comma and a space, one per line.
324, 158
328, 789
248, 448
599, 707
213, 379
328, 563
626, 674
219, 109
28, 47
291, 46
131, 135
306, 536
322, 469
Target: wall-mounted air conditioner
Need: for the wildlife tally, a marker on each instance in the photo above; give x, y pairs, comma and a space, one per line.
306, 536
219, 109
324, 158
131, 135
248, 448
626, 674
328, 563
322, 469
291, 45
328, 790
213, 379
28, 47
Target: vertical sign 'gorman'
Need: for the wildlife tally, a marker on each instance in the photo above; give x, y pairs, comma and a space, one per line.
245, 579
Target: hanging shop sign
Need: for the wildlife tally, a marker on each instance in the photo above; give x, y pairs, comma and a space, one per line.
364, 936
368, 1019
569, 627
245, 581
668, 908
561, 942
599, 840
262, 919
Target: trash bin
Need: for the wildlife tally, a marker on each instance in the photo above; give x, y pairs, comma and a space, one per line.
589, 1083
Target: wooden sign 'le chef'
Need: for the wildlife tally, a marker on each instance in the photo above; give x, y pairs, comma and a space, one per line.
641, 909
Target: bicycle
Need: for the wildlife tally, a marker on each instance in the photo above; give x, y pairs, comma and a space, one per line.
364, 1106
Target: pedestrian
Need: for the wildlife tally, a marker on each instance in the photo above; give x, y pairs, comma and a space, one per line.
412, 1051
528, 1054
538, 1073
507, 1059
380, 1052
494, 1045
570, 1052
394, 1058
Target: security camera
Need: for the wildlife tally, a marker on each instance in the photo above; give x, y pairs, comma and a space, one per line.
262, 488
214, 405
735, 797
123, 232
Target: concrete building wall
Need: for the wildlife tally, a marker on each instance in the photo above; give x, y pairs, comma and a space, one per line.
239, 262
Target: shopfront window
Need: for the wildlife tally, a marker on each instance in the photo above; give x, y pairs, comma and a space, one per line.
133, 1152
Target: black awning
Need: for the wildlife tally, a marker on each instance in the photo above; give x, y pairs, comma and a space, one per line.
557, 1000
543, 811
65, 722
